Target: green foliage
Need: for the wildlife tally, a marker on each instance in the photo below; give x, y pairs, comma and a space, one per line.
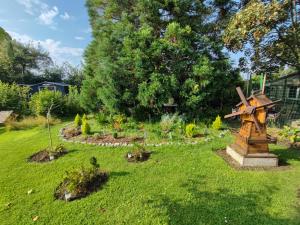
14, 97
268, 32
190, 130
77, 120
41, 101
84, 118
85, 127
115, 135
293, 134
101, 118
169, 122
217, 124
146, 52
72, 101
94, 163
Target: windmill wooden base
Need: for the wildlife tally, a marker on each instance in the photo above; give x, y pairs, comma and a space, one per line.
251, 144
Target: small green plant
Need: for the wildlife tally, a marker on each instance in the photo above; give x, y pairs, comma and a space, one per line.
85, 128
94, 163
115, 135
101, 118
77, 120
217, 124
84, 118
190, 130
290, 133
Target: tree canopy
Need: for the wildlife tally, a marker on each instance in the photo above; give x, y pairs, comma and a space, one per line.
268, 32
147, 53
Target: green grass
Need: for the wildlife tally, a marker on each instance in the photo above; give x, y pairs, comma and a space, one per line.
178, 185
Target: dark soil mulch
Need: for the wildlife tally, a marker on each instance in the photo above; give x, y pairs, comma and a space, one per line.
231, 162
70, 132
138, 156
44, 156
83, 190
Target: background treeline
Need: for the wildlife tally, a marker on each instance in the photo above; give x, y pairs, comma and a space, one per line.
146, 54
29, 64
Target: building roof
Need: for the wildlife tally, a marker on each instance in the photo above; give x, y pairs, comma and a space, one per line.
4, 116
47, 83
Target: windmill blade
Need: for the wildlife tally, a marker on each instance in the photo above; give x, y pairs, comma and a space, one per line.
234, 114
268, 104
242, 96
256, 123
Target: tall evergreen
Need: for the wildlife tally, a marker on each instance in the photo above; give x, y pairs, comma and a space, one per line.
146, 53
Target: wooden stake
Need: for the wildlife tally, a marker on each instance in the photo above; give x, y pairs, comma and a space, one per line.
264, 84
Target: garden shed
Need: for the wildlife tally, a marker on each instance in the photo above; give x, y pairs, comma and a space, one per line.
53, 86
286, 88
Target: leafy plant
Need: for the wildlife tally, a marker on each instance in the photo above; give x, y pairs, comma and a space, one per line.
118, 121
101, 118
190, 130
77, 120
94, 163
85, 127
217, 124
292, 134
115, 135
41, 101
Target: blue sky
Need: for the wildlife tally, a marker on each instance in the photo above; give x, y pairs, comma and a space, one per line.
60, 26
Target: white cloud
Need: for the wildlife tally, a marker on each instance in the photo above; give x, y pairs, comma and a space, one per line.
79, 38
47, 15
32, 7
58, 52
65, 16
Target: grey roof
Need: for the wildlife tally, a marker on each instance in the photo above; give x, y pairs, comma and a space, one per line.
47, 83
4, 115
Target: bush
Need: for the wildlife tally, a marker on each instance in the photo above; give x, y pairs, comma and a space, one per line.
41, 101
84, 118
29, 122
77, 121
85, 127
101, 118
217, 124
79, 183
170, 122
118, 121
14, 97
72, 101
190, 130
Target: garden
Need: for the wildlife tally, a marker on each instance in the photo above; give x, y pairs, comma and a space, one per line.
137, 133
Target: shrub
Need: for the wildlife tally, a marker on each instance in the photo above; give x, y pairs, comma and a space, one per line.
190, 130
77, 120
115, 135
85, 127
72, 101
170, 122
41, 101
217, 124
118, 121
14, 97
84, 118
101, 118
81, 182
29, 122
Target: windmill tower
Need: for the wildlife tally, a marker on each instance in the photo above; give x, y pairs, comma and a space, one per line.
251, 144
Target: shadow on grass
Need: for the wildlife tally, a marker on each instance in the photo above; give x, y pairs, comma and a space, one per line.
220, 206
284, 155
2, 130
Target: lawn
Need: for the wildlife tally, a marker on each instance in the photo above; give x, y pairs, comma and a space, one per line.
186, 184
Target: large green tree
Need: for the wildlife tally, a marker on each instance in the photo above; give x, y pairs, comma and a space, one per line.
145, 53
268, 32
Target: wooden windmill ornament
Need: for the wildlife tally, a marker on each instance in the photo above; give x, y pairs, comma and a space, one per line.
251, 144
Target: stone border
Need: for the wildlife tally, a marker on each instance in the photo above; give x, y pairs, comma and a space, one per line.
112, 145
